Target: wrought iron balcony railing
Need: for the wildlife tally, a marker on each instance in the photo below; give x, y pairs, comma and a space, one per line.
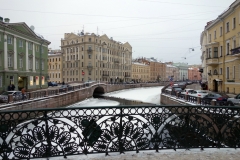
72, 131
89, 67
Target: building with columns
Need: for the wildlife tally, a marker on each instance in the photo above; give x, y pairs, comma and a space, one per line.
23, 55
90, 57
55, 66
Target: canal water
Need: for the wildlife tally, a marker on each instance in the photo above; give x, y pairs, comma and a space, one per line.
122, 102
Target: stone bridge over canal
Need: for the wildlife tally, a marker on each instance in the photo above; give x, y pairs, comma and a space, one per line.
54, 98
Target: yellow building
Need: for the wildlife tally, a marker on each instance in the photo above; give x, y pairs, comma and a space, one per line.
140, 72
55, 66
221, 48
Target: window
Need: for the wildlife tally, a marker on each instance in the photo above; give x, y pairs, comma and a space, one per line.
9, 39
209, 38
21, 62
10, 60
220, 31
220, 71
227, 48
233, 72
220, 51
37, 64
215, 52
234, 23
37, 48
30, 45
82, 64
20, 43
30, 63
89, 39
227, 27
42, 65
0, 37
234, 43
89, 56
215, 34
227, 73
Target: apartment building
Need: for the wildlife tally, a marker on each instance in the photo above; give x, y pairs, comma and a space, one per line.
194, 74
55, 66
23, 55
157, 68
220, 42
91, 57
140, 72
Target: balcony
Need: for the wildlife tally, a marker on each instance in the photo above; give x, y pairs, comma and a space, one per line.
235, 52
127, 76
212, 61
89, 68
89, 51
116, 61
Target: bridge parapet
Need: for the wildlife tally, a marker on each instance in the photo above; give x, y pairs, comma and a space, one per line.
89, 130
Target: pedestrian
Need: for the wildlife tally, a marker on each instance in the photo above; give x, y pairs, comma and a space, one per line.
13, 87
9, 87
23, 93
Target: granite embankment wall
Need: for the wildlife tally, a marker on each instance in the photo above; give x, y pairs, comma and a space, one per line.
67, 98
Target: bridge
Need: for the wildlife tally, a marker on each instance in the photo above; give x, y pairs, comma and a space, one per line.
52, 131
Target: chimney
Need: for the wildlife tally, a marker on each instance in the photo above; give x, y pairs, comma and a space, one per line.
6, 20
1, 19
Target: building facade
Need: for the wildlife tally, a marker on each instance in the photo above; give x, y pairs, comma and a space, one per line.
140, 72
172, 73
194, 74
23, 55
183, 71
55, 66
90, 57
222, 50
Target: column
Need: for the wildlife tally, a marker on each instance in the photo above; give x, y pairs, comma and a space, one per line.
34, 58
15, 54
26, 56
5, 53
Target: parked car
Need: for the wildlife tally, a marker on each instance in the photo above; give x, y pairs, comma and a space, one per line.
187, 91
17, 95
64, 87
234, 101
52, 84
174, 89
182, 85
189, 82
198, 93
222, 100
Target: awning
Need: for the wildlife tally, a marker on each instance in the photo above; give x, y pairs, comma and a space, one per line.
218, 80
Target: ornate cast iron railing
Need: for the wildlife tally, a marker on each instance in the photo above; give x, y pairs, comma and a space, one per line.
72, 131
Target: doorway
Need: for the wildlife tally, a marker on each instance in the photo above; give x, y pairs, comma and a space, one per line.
22, 83
215, 85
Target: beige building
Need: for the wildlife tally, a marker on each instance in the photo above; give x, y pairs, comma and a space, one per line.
157, 68
55, 66
140, 72
220, 42
90, 57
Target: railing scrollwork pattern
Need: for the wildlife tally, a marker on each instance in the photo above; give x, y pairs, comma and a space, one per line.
72, 131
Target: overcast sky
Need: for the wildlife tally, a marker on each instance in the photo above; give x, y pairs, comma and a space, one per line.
164, 29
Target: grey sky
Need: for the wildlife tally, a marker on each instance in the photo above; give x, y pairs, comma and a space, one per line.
164, 29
